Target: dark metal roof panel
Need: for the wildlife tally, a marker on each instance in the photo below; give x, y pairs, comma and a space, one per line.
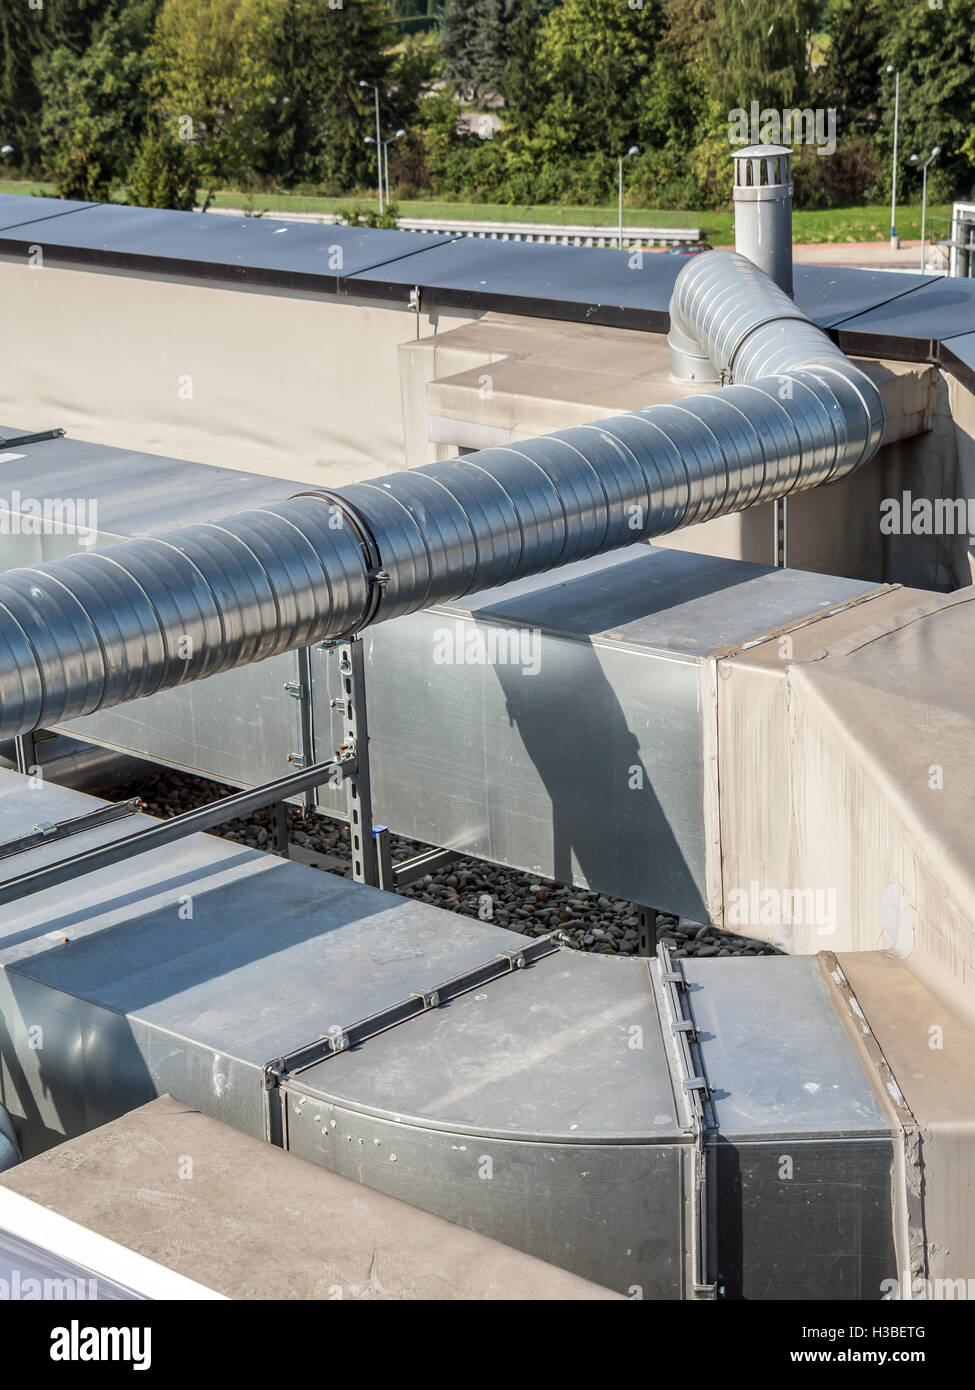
877, 313
620, 288
831, 294
957, 355
18, 210
245, 249
911, 325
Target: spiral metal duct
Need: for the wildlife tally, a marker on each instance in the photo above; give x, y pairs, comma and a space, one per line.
96, 629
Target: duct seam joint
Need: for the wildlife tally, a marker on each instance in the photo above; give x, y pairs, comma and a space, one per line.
693, 1096
911, 1167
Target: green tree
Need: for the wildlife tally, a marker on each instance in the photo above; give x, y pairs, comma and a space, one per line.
851, 78
934, 50
761, 51
95, 104
28, 33
687, 25
679, 110
459, 39
595, 58
480, 39
525, 91
163, 174
322, 114
214, 83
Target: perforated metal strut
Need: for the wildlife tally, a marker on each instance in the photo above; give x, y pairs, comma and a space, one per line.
96, 629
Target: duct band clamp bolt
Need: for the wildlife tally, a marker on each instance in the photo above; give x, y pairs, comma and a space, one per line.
428, 999
376, 576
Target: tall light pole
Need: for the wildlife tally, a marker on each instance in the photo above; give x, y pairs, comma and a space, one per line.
379, 147
386, 144
893, 181
924, 196
634, 149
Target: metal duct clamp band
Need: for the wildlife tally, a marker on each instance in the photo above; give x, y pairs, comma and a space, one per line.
377, 577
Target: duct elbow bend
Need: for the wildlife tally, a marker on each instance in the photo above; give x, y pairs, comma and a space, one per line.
731, 323
689, 361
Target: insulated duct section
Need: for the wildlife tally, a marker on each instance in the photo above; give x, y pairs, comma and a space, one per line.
96, 629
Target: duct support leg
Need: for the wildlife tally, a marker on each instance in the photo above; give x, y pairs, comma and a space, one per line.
780, 533
279, 828
646, 931
365, 861
384, 858
25, 747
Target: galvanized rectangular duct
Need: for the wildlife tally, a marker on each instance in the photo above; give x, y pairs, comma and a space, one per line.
94, 630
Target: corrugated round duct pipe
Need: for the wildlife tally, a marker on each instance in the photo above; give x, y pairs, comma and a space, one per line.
96, 629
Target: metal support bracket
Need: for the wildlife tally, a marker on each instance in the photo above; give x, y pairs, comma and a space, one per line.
25, 751
365, 861
300, 690
21, 440
386, 875
780, 533
646, 930
422, 864
166, 832
45, 833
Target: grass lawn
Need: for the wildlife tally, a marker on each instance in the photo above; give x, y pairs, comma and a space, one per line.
833, 225
22, 186
481, 212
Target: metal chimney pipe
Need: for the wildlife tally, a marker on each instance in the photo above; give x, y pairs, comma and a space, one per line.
763, 210
763, 234
96, 629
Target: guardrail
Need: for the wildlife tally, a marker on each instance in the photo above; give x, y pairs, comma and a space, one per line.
555, 233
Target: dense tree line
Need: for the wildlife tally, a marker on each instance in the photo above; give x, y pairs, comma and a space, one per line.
153, 99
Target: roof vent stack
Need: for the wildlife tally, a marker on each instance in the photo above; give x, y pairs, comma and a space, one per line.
763, 210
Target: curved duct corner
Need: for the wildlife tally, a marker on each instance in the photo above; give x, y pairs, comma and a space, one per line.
96, 629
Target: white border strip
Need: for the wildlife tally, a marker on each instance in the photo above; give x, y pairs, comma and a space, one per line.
71, 1241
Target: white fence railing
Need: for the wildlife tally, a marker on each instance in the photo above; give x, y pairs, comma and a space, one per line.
555, 233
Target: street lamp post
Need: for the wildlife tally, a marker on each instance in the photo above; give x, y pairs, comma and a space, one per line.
379, 147
924, 195
893, 181
386, 144
634, 149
